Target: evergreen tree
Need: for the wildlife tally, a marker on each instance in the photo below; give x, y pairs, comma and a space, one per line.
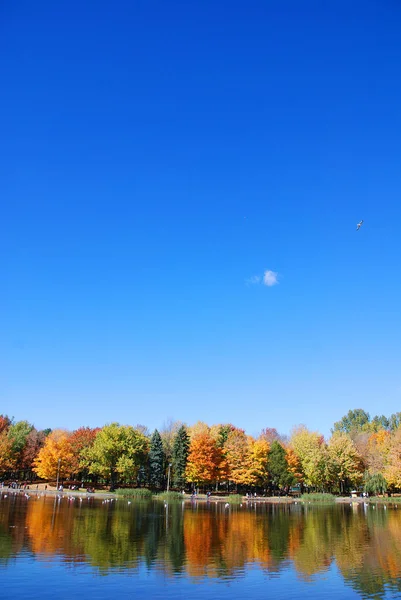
180, 457
156, 460
277, 467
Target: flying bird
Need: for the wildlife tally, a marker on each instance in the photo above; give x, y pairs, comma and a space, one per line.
359, 225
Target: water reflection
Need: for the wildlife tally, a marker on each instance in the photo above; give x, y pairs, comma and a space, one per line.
200, 541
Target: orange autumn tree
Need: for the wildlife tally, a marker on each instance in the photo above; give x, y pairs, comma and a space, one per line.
57, 448
204, 458
294, 465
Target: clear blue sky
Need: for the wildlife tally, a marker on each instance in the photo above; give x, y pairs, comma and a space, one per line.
156, 159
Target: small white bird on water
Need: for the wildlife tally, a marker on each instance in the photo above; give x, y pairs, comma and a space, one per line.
359, 225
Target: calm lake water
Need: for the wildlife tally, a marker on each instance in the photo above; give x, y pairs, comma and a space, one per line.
95, 549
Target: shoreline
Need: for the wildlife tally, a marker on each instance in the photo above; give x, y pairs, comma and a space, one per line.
104, 495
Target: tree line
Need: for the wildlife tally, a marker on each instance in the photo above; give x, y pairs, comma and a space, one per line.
361, 452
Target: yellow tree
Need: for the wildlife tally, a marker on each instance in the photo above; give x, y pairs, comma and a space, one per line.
56, 456
204, 458
237, 454
392, 471
377, 450
310, 448
7, 456
258, 458
346, 465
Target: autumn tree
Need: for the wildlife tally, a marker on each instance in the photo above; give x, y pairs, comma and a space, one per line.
294, 466
270, 434
7, 456
168, 433
81, 439
344, 461
5, 423
156, 460
311, 451
237, 454
392, 471
55, 457
34, 442
118, 450
221, 432
180, 457
204, 458
258, 462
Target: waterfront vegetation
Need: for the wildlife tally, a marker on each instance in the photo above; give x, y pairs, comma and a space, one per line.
317, 498
362, 454
170, 496
234, 499
135, 493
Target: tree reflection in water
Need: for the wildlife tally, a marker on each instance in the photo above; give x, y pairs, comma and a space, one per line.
207, 540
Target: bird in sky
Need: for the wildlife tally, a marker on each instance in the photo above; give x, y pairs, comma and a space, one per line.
359, 225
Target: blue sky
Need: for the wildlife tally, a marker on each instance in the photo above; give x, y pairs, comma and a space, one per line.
156, 159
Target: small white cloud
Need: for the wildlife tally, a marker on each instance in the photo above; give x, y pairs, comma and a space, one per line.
254, 279
270, 278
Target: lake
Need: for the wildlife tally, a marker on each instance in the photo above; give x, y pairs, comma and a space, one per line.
96, 549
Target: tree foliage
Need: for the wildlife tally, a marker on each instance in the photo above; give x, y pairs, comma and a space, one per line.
81, 439
237, 456
204, 458
311, 451
345, 464
156, 460
277, 465
354, 420
375, 484
55, 456
117, 451
180, 457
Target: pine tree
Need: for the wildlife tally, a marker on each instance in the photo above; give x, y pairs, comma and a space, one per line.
180, 457
156, 460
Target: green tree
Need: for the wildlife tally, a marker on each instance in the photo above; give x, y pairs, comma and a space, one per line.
118, 451
156, 460
355, 420
375, 484
18, 434
379, 422
277, 466
180, 457
394, 421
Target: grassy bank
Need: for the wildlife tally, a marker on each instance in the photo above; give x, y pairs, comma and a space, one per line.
317, 498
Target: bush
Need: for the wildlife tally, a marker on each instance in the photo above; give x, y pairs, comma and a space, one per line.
135, 493
318, 498
380, 500
168, 496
